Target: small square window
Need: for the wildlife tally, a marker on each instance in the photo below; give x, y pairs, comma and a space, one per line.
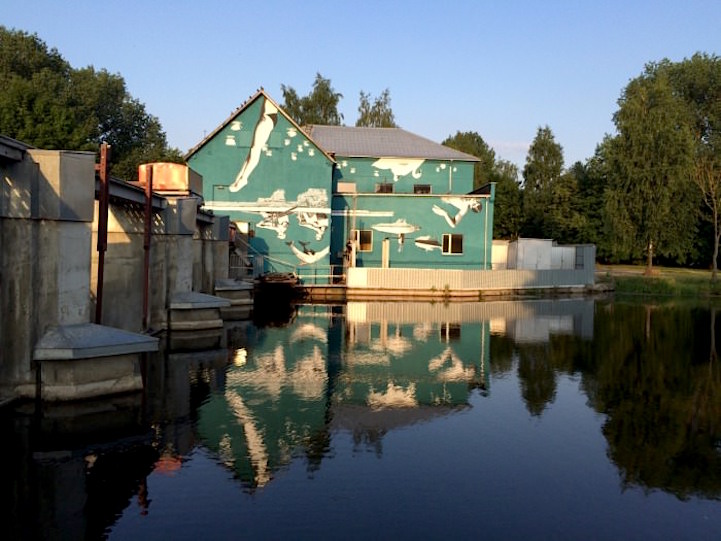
452, 244
421, 188
363, 239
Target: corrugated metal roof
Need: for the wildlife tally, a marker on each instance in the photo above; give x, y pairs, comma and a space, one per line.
380, 143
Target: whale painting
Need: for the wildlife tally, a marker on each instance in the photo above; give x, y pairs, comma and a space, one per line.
399, 227
307, 256
400, 167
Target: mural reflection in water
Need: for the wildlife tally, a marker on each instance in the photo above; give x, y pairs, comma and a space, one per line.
366, 368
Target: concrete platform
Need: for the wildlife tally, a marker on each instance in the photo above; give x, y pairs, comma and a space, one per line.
88, 361
88, 340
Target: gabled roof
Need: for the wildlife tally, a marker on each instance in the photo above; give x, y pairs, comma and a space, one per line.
355, 142
260, 93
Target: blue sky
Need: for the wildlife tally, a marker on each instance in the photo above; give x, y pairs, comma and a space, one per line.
501, 68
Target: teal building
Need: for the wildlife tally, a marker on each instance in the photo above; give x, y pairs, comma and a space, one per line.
315, 198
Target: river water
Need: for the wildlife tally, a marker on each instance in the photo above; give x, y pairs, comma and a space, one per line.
563, 419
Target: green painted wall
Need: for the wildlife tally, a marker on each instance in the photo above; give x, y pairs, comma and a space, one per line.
415, 225
260, 169
443, 176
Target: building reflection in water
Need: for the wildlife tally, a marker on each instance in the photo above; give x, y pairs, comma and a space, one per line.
276, 393
365, 368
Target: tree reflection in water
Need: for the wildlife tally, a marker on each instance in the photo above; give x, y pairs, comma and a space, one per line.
661, 389
653, 370
291, 391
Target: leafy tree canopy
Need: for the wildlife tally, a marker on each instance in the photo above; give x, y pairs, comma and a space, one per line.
541, 178
318, 107
378, 114
472, 143
651, 205
47, 103
507, 209
544, 162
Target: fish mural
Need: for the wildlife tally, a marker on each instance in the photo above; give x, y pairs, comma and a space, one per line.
400, 167
400, 228
462, 204
427, 243
307, 256
265, 125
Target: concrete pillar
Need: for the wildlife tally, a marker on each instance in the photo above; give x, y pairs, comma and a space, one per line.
46, 211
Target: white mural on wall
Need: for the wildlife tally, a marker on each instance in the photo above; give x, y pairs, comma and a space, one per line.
307, 256
308, 204
400, 167
310, 208
400, 228
462, 206
265, 125
427, 243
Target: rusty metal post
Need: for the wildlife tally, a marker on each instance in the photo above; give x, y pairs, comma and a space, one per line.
146, 243
103, 196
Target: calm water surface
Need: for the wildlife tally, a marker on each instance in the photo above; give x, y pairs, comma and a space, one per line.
569, 419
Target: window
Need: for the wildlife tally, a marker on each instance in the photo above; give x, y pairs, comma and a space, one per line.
452, 244
421, 188
385, 187
363, 239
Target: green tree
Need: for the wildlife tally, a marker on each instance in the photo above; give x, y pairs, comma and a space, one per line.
378, 114
507, 209
507, 215
707, 176
592, 180
318, 107
472, 143
697, 81
544, 164
48, 104
650, 206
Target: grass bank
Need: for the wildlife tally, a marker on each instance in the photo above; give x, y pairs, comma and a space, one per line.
665, 281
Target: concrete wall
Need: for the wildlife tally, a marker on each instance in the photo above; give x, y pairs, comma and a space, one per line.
45, 216
185, 255
48, 256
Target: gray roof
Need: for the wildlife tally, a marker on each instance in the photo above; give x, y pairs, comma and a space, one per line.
355, 142
11, 148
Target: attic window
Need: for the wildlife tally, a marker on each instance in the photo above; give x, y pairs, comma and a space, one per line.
421, 188
384, 187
